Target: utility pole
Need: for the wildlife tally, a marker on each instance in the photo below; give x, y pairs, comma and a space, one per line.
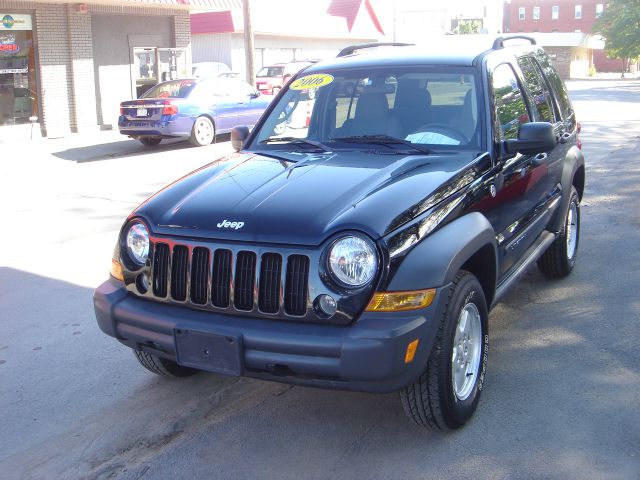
248, 43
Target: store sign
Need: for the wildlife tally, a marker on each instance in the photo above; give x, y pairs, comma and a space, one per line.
8, 44
15, 21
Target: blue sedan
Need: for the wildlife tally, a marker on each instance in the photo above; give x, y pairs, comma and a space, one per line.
197, 109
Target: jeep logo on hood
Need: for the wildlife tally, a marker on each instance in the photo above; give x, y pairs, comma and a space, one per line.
227, 224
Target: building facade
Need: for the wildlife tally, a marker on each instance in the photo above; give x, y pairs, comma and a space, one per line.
560, 16
418, 21
320, 30
66, 67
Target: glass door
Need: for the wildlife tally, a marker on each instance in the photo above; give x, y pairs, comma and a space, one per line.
145, 67
172, 64
18, 90
155, 65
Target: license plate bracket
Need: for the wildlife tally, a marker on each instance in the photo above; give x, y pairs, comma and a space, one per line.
141, 112
209, 351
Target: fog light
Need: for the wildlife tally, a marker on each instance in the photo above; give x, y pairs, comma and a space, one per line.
142, 282
327, 305
400, 301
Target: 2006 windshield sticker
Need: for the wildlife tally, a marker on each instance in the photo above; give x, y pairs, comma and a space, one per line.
312, 81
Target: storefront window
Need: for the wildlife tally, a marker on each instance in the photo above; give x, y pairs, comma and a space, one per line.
155, 65
18, 97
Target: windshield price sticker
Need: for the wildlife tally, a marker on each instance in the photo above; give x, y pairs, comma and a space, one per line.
312, 81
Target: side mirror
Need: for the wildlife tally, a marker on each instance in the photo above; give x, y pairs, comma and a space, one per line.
533, 138
238, 136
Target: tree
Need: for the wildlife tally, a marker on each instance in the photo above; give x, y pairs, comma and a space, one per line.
620, 26
465, 27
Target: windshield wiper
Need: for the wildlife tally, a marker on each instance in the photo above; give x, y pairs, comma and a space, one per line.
296, 140
381, 140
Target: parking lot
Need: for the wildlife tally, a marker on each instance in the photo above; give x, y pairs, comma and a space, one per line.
562, 390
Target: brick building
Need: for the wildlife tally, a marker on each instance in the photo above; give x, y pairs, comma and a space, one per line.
65, 67
559, 16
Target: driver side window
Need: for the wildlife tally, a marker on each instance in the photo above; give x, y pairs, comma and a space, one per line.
510, 109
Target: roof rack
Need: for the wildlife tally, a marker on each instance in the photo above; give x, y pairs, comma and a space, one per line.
352, 48
499, 42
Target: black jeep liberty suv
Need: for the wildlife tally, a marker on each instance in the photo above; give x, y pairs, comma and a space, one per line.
359, 235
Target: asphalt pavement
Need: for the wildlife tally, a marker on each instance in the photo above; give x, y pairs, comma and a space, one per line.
562, 392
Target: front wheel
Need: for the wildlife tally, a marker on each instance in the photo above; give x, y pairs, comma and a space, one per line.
447, 393
162, 366
202, 132
560, 257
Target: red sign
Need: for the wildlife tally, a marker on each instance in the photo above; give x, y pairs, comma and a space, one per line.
9, 47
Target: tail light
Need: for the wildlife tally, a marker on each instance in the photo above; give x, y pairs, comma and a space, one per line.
169, 108
121, 110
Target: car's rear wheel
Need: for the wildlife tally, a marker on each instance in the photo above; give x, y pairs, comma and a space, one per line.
560, 257
150, 141
275, 90
162, 366
202, 132
447, 393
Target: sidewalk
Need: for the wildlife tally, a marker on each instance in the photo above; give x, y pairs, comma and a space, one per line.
92, 147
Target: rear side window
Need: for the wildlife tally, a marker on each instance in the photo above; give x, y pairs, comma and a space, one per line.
510, 108
270, 72
173, 89
542, 100
560, 90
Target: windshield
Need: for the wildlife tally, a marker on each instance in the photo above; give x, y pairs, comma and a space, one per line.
173, 89
270, 72
426, 106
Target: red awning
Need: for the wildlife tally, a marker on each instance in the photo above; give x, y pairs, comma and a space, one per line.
212, 22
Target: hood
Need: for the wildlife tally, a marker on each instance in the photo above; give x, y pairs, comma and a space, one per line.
259, 198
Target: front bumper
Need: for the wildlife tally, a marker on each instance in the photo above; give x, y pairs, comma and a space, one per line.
367, 355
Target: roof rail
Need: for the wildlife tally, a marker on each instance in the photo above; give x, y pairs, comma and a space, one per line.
352, 48
499, 42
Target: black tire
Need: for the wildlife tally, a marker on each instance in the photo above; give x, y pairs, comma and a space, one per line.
432, 401
162, 366
560, 257
275, 90
203, 132
150, 141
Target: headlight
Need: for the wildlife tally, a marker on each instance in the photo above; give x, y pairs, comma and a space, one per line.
138, 243
352, 261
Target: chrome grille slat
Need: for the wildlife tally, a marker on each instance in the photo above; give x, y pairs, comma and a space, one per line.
296, 287
244, 280
199, 275
179, 267
269, 290
220, 289
160, 271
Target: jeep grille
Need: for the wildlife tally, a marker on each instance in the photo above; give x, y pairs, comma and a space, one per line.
214, 279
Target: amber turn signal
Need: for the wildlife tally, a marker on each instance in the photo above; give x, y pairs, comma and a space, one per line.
116, 270
400, 301
411, 351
